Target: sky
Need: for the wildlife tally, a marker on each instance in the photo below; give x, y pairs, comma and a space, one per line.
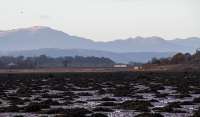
106, 20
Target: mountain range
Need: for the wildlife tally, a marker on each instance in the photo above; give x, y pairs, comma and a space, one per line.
44, 40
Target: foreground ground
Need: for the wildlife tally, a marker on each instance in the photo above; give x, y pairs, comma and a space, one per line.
100, 94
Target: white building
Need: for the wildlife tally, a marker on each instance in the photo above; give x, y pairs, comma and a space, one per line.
137, 67
120, 66
11, 64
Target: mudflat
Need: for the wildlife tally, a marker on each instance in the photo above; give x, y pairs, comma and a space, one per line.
100, 94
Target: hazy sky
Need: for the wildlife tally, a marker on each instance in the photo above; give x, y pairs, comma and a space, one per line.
104, 20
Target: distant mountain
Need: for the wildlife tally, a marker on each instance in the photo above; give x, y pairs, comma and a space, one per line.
140, 44
191, 43
117, 57
39, 37
44, 37
32, 41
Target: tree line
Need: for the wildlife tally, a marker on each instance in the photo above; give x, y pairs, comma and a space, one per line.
44, 61
179, 58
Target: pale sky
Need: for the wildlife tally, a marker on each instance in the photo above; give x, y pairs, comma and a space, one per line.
105, 20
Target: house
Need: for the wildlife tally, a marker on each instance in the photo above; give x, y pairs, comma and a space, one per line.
11, 65
120, 66
137, 67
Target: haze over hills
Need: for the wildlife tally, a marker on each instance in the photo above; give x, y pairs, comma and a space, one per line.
35, 39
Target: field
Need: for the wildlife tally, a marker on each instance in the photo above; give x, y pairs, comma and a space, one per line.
100, 94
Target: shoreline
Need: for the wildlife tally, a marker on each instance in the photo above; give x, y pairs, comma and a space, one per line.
64, 70
86, 70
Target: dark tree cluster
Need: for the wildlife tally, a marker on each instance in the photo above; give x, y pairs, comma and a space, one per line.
179, 58
43, 61
80, 61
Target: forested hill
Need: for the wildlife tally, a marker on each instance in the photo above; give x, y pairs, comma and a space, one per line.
44, 61
179, 58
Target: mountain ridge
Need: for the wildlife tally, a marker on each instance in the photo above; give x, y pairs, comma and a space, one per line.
38, 37
35, 39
